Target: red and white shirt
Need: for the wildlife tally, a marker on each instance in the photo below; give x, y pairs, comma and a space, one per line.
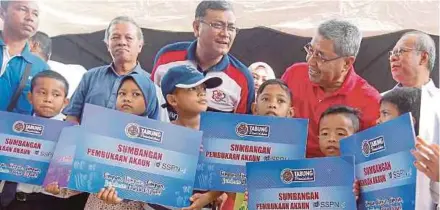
235, 94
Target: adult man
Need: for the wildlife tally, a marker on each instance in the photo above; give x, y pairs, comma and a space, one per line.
214, 27
41, 45
328, 78
99, 85
20, 22
18, 66
412, 60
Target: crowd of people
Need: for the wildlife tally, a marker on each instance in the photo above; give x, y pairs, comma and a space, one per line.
201, 75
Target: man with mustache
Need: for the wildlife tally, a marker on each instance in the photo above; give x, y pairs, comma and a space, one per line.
215, 29
99, 86
18, 67
412, 60
328, 78
18, 64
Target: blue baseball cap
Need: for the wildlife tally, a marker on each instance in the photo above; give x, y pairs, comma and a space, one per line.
186, 76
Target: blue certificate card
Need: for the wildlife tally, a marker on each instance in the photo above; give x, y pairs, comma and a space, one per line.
316, 183
231, 140
145, 160
27, 144
384, 164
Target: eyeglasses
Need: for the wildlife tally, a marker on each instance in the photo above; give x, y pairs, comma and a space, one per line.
313, 53
400, 51
221, 26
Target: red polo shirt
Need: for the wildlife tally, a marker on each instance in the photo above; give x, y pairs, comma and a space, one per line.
310, 101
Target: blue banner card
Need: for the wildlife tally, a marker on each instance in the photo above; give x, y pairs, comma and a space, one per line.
384, 164
145, 160
27, 144
231, 140
316, 183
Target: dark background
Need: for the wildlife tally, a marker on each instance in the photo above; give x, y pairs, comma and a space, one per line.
279, 50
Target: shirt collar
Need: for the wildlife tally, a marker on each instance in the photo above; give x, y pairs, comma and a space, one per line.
191, 55
348, 84
26, 53
430, 85
59, 116
137, 69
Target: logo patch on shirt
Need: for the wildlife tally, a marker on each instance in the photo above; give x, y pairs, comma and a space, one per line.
133, 130
371, 146
22, 127
218, 96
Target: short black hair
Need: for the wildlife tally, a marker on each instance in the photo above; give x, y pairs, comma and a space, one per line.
44, 41
213, 5
406, 99
53, 75
349, 112
279, 82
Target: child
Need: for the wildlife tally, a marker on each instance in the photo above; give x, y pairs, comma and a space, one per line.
47, 96
184, 89
136, 95
273, 99
400, 101
336, 123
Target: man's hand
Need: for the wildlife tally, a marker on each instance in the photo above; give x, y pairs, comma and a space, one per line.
109, 195
427, 159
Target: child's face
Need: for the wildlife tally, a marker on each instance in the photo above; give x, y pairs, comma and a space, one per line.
333, 128
130, 98
190, 100
273, 101
48, 97
388, 111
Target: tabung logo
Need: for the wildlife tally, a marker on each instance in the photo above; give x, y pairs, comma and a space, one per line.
371, 146
243, 129
133, 130
289, 176
22, 127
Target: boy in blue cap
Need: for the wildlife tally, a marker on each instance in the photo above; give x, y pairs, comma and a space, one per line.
184, 89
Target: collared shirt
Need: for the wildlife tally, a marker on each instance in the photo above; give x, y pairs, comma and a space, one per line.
429, 130
235, 94
11, 71
6, 58
430, 87
99, 86
310, 101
